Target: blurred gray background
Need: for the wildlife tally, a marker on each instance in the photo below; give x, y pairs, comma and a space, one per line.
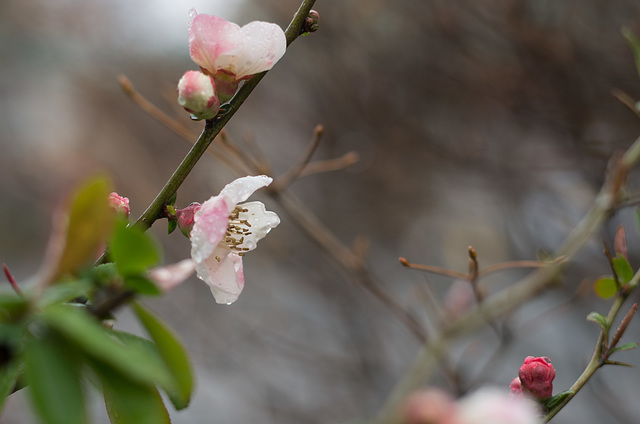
484, 123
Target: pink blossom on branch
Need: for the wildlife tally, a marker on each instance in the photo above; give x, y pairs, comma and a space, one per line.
119, 203
231, 53
536, 376
224, 231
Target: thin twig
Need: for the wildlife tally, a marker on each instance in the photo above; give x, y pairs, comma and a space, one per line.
288, 177
494, 306
12, 280
337, 164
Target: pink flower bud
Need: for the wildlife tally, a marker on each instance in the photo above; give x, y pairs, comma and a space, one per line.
515, 387
536, 376
119, 203
185, 217
197, 95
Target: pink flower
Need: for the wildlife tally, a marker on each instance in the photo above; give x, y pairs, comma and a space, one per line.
231, 53
119, 203
536, 376
170, 276
197, 95
492, 406
224, 231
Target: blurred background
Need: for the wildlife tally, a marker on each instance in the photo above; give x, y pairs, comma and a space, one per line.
487, 124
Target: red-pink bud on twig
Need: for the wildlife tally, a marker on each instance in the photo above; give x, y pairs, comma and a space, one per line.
119, 203
185, 217
536, 376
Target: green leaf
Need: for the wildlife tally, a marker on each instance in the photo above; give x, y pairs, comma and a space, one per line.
12, 307
553, 401
90, 220
634, 43
9, 374
132, 250
171, 225
599, 319
173, 353
142, 286
623, 269
172, 200
626, 346
98, 342
605, 287
64, 292
52, 371
130, 402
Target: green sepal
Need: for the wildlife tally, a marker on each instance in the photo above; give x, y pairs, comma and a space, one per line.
553, 401
172, 200
172, 224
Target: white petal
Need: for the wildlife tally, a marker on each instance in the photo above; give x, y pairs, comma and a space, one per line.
223, 273
239, 190
261, 220
264, 44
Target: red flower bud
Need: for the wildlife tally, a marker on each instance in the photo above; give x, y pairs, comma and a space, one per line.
536, 376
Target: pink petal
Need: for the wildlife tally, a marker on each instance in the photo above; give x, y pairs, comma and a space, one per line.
170, 276
211, 223
223, 272
209, 38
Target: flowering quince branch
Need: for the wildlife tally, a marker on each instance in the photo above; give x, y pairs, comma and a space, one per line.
214, 126
503, 301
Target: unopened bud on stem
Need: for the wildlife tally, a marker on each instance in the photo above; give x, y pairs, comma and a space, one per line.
197, 95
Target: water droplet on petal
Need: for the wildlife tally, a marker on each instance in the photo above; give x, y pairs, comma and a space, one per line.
229, 303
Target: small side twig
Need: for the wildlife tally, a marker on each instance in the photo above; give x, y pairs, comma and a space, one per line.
12, 280
288, 177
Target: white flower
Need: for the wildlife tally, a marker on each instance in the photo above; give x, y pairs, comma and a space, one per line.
493, 406
224, 231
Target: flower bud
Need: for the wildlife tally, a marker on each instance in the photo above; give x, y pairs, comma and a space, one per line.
185, 217
311, 22
536, 376
197, 95
515, 388
119, 203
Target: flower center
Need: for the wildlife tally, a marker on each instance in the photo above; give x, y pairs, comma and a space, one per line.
237, 230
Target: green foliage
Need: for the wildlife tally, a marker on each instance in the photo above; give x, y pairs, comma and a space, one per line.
553, 401
9, 373
599, 319
129, 401
132, 250
173, 354
52, 370
97, 342
634, 43
623, 269
626, 346
90, 220
141, 285
172, 224
605, 287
